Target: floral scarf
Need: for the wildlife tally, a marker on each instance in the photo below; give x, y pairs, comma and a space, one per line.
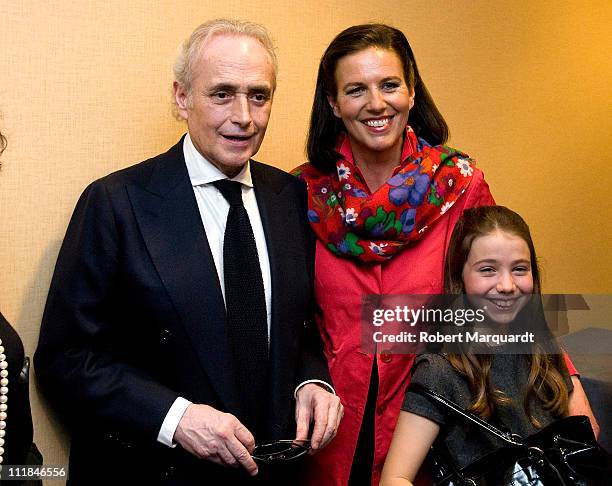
372, 228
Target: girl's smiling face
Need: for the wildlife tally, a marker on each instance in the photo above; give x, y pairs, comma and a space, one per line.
497, 275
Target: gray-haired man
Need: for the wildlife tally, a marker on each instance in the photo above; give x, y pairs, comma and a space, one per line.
148, 342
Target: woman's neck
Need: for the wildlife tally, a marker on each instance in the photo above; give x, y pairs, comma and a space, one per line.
377, 167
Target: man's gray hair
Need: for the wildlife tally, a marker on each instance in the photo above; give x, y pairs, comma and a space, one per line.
189, 50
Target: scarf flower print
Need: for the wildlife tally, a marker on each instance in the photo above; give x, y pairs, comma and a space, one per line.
353, 223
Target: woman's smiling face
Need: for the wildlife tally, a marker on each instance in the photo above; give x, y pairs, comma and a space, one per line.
372, 99
497, 275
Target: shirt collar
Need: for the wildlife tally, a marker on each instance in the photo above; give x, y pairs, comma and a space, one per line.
201, 171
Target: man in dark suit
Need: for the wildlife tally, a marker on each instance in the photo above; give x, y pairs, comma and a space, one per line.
139, 349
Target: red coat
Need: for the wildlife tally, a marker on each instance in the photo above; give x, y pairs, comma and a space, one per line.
340, 284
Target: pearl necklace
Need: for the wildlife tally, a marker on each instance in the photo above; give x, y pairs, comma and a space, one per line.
3, 397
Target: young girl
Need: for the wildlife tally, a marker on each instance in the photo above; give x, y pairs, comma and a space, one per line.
490, 255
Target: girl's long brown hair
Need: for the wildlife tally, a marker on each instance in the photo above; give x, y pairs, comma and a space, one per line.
545, 381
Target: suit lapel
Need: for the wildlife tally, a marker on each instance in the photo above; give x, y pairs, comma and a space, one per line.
170, 223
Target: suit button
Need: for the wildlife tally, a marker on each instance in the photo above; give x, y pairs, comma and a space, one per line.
165, 336
386, 357
168, 473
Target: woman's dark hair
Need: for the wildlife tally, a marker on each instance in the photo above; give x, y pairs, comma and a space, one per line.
545, 381
325, 127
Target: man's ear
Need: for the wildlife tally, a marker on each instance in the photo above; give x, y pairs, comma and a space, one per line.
182, 99
334, 105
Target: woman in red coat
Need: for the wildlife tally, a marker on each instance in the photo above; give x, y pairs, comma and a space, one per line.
384, 196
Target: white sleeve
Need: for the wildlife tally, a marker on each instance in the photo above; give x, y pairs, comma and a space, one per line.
170, 423
319, 382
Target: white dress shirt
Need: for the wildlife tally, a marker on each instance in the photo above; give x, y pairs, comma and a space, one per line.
214, 210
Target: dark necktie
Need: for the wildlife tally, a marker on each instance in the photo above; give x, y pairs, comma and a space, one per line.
245, 302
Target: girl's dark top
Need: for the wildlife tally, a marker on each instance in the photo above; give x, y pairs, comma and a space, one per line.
465, 443
18, 438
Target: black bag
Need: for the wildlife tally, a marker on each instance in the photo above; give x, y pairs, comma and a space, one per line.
562, 454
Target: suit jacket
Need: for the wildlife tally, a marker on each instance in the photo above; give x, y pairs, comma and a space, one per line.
135, 318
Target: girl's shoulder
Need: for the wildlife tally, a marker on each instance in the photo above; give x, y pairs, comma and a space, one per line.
431, 363
435, 372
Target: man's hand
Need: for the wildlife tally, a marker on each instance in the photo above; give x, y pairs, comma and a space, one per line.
217, 437
579, 404
314, 402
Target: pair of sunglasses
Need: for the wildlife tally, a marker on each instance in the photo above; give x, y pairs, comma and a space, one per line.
280, 451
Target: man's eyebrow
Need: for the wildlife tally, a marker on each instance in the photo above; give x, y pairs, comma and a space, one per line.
231, 88
260, 88
222, 87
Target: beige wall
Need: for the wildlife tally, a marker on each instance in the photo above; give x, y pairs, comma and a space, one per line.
84, 89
